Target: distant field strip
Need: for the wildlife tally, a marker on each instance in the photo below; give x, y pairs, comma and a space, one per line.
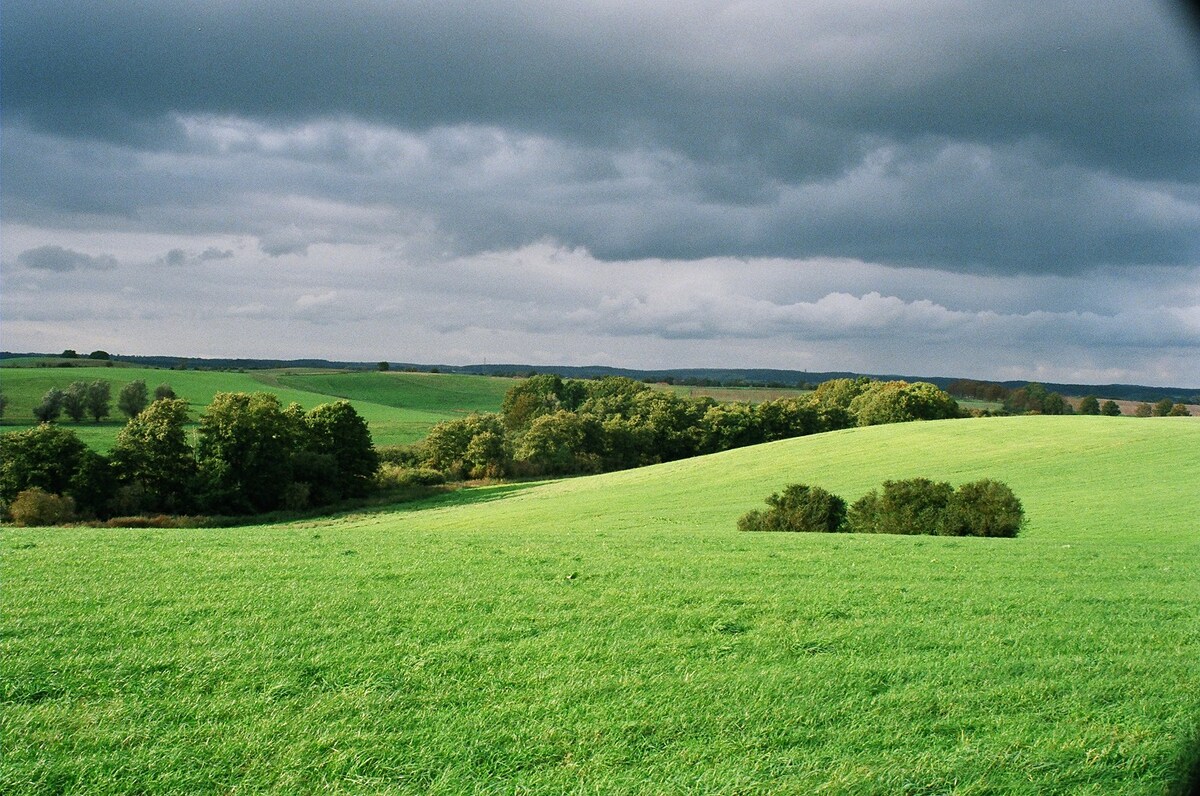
400, 407
615, 634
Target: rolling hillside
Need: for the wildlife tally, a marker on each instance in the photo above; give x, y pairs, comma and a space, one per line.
615, 634
399, 407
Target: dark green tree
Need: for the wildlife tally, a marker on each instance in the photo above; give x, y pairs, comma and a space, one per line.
727, 426
1179, 410
908, 506
799, 508
133, 398
164, 391
983, 508
1090, 405
153, 460
3, 404
51, 406
557, 443
339, 431
244, 449
75, 400
99, 399
1143, 410
1163, 408
45, 456
448, 446
1110, 408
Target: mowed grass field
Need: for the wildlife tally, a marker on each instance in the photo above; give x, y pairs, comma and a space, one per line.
398, 407
615, 634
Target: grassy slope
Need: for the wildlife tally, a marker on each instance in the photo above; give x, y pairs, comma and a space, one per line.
400, 408
615, 634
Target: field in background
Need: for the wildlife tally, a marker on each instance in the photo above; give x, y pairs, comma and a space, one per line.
398, 407
616, 634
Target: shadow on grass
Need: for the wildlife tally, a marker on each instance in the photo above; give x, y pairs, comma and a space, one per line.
1189, 785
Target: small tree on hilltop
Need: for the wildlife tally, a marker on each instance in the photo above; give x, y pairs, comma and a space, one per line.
1163, 407
133, 398
1089, 406
1110, 408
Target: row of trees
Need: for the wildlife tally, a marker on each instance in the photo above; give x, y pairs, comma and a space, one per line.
250, 455
82, 399
549, 425
907, 506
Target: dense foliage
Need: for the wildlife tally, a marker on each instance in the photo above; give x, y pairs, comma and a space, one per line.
553, 426
251, 455
908, 506
800, 508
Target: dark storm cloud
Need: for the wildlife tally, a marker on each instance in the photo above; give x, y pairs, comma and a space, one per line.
56, 258
1015, 136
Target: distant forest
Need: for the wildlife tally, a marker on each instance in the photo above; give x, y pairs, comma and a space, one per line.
696, 377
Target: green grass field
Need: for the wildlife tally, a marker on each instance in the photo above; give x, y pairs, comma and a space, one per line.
398, 407
615, 634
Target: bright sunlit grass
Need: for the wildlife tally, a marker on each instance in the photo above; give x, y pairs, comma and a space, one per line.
615, 634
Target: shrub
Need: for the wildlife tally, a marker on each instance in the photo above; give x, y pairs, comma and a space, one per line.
909, 506
404, 455
983, 508
393, 476
36, 506
1110, 408
799, 508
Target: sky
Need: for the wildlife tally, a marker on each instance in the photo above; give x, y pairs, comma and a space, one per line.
929, 187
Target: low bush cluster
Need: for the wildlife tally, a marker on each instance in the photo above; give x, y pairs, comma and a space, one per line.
907, 506
35, 507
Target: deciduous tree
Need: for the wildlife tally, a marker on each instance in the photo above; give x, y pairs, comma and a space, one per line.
152, 457
51, 406
99, 399
133, 398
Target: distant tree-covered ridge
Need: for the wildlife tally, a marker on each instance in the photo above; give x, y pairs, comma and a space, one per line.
550, 425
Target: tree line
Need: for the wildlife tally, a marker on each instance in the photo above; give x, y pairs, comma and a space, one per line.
251, 454
548, 425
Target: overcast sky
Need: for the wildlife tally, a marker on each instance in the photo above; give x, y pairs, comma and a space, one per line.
985, 189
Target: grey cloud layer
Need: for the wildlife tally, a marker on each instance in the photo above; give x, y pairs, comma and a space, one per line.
971, 137
977, 188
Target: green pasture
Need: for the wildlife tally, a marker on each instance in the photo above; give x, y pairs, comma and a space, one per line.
399, 408
615, 634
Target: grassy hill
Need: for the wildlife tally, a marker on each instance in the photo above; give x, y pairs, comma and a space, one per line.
615, 634
399, 407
